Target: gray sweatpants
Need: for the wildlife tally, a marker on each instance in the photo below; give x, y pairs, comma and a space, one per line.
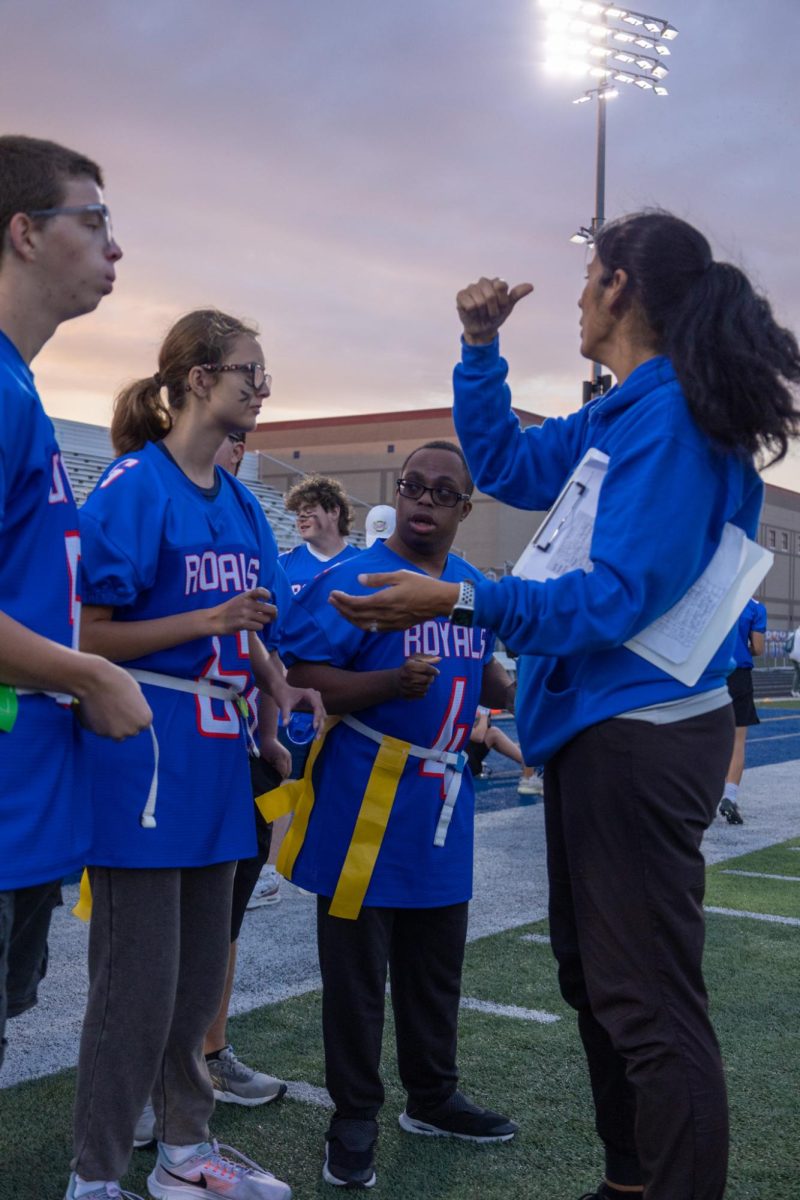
158, 956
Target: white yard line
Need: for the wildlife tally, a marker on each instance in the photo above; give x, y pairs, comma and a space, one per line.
509, 1010
762, 875
541, 939
735, 912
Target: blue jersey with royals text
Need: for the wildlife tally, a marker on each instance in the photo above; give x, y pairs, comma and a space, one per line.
154, 544
302, 564
44, 822
753, 619
410, 871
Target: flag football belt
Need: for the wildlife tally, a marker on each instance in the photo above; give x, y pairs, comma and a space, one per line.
373, 816
196, 687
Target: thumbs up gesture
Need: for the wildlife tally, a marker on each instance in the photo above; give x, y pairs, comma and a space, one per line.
484, 306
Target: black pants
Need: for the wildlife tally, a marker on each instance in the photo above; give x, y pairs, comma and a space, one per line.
626, 806
24, 925
263, 778
424, 949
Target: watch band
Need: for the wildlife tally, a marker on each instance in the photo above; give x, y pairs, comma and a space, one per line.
464, 607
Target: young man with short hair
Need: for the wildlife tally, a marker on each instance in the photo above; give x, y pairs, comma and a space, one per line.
57, 261
383, 828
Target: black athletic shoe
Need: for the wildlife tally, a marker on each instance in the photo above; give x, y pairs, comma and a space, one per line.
350, 1153
729, 809
459, 1118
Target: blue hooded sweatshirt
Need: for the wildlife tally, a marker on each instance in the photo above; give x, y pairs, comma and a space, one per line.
667, 494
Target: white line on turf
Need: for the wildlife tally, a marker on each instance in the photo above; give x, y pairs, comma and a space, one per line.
509, 1010
762, 875
541, 939
735, 912
307, 1093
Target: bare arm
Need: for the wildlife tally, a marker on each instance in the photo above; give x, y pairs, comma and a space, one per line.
498, 689
121, 641
111, 703
348, 691
756, 642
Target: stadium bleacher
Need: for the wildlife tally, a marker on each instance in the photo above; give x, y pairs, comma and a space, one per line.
86, 450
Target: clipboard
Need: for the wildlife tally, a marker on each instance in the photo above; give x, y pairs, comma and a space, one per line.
683, 640
563, 540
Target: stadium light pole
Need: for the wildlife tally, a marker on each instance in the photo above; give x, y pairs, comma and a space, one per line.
611, 45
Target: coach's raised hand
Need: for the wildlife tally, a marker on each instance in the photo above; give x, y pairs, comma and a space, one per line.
484, 306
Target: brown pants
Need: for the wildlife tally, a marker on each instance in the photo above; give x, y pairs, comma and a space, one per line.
158, 956
626, 806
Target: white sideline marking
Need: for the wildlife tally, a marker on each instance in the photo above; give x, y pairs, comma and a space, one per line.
307, 1093
511, 1010
762, 875
735, 912
542, 939
774, 737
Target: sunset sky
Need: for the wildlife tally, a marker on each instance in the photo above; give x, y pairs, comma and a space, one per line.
337, 169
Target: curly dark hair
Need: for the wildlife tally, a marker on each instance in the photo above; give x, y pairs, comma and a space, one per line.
327, 493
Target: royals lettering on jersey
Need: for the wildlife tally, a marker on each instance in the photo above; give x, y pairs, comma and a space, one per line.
227, 573
410, 870
445, 640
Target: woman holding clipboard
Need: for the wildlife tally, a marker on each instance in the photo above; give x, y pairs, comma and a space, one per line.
635, 758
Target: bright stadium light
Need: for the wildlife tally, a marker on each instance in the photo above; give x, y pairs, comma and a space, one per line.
610, 45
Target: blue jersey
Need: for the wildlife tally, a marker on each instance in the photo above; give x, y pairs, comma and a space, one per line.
45, 823
155, 545
302, 564
753, 619
410, 871
570, 632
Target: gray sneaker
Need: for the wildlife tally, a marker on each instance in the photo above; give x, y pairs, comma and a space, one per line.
103, 1191
236, 1083
216, 1174
145, 1132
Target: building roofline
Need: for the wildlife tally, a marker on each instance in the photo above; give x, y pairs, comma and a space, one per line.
373, 418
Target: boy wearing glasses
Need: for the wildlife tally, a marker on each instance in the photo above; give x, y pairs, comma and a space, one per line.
324, 517
57, 260
383, 828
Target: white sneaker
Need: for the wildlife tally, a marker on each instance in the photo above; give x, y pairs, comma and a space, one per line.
236, 1083
214, 1174
103, 1191
267, 890
145, 1132
530, 786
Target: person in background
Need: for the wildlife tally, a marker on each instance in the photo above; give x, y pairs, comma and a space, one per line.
750, 630
635, 760
486, 737
379, 524
58, 260
324, 516
793, 651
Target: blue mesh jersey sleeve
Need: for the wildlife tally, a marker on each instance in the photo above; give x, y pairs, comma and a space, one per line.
121, 532
759, 618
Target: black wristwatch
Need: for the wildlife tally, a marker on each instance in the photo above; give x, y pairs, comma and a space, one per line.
463, 610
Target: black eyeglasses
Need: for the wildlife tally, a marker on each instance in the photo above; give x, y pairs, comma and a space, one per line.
255, 373
444, 497
236, 439
100, 211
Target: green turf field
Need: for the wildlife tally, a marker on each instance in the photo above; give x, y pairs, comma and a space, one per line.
532, 1071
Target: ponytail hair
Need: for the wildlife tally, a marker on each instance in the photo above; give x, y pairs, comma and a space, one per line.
737, 367
140, 412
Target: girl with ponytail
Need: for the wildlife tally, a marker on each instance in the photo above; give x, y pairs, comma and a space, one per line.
634, 759
182, 587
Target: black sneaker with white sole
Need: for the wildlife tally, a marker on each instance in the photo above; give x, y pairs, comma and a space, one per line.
459, 1118
350, 1153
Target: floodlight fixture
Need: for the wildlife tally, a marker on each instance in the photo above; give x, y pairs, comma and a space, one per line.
582, 237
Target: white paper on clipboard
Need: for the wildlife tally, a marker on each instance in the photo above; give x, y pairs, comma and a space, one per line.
683, 640
564, 538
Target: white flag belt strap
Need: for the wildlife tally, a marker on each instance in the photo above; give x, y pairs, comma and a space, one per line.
197, 687
453, 760
59, 697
